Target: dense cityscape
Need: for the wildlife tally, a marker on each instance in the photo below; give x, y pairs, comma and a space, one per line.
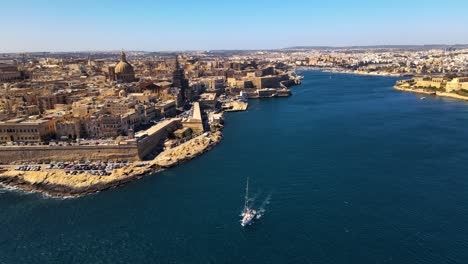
82, 113
94, 114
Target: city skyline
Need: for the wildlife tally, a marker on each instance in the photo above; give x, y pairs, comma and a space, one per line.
208, 25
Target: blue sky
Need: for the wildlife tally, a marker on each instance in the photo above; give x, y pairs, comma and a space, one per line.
234, 24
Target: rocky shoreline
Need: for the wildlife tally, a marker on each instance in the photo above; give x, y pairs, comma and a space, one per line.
422, 91
414, 90
70, 186
58, 184
187, 151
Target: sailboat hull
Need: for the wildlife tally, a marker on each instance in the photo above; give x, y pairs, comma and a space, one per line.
249, 222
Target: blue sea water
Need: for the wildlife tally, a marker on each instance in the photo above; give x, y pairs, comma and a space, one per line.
348, 170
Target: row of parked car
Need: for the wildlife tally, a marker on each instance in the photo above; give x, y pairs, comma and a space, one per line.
87, 166
56, 162
97, 173
24, 163
28, 168
73, 168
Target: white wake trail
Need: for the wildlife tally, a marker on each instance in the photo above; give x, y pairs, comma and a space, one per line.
263, 206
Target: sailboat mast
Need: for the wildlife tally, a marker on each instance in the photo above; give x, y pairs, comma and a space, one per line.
247, 194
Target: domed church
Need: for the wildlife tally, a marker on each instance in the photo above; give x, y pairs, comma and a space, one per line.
123, 71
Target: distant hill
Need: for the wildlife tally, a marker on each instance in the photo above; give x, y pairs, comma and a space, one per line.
400, 47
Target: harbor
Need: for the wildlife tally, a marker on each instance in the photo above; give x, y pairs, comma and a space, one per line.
181, 208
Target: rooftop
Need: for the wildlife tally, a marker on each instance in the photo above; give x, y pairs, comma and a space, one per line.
154, 129
208, 96
196, 111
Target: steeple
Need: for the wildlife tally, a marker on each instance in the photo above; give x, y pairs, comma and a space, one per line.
178, 74
123, 57
177, 62
179, 80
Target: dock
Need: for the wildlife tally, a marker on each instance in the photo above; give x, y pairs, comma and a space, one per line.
235, 106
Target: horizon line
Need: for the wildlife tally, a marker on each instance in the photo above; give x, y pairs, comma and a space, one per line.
270, 49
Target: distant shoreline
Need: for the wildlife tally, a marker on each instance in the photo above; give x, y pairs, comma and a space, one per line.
344, 71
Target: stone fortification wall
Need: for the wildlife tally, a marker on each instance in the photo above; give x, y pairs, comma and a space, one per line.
155, 136
68, 153
133, 151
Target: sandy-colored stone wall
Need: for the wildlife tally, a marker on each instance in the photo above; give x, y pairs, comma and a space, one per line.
68, 153
130, 152
155, 136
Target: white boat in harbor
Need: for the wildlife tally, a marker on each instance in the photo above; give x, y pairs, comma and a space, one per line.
248, 214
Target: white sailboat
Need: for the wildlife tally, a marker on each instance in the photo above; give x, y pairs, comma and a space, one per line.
248, 215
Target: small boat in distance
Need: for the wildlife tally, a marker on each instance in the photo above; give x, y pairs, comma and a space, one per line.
249, 214
422, 98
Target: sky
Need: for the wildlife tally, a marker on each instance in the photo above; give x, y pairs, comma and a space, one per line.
157, 25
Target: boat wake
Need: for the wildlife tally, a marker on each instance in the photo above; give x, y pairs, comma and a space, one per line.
249, 215
263, 206
251, 200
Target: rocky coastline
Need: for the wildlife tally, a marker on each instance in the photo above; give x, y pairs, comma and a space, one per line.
57, 183
437, 93
187, 151
414, 90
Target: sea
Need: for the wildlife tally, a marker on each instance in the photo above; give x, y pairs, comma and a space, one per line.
347, 170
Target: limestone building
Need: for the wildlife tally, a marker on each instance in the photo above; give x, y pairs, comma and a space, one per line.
22, 130
9, 73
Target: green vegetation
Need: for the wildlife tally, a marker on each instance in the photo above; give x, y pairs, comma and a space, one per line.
450, 76
429, 88
462, 92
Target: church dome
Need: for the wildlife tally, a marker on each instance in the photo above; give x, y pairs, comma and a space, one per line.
123, 67
123, 71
